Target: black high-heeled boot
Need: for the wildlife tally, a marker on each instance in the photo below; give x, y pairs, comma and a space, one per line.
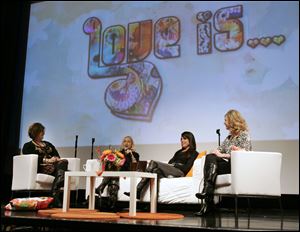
209, 182
57, 184
56, 201
207, 194
141, 185
99, 190
207, 206
113, 195
139, 188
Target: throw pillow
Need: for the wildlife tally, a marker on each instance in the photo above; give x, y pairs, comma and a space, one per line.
200, 155
29, 203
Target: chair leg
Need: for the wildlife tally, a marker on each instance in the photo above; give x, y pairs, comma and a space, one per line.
281, 212
236, 219
236, 210
249, 206
280, 205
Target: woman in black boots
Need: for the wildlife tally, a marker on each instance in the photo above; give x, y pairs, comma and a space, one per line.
218, 162
49, 161
178, 166
112, 183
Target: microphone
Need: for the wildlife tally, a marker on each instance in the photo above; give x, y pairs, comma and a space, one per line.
76, 139
219, 134
92, 152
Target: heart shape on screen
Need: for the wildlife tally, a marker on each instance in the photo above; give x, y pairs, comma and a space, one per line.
252, 42
135, 97
278, 40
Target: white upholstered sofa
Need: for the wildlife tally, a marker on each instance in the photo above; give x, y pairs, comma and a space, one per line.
26, 177
172, 190
253, 173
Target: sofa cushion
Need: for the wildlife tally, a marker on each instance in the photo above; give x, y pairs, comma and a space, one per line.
44, 178
223, 180
200, 155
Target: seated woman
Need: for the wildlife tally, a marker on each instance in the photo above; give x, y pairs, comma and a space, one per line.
178, 166
218, 162
49, 161
131, 157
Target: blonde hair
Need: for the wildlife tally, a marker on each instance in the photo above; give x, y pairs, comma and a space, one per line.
236, 122
131, 139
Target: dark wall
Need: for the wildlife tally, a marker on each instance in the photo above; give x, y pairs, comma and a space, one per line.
14, 27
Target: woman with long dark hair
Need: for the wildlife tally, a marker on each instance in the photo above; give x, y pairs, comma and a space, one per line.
178, 166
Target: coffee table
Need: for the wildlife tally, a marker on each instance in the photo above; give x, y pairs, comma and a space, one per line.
133, 182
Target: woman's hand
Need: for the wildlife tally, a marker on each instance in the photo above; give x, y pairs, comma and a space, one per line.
235, 148
53, 159
217, 153
221, 155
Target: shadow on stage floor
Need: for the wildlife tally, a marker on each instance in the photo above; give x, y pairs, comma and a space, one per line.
223, 219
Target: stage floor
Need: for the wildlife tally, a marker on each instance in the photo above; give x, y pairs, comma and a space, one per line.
224, 219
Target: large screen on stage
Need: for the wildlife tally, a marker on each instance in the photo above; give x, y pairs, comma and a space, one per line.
152, 70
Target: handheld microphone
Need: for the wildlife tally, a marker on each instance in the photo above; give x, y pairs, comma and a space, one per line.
76, 139
219, 134
92, 152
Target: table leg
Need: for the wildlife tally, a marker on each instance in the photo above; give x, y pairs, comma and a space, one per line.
153, 195
67, 186
92, 192
132, 202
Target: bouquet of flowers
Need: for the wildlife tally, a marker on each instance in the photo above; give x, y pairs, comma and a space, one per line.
111, 160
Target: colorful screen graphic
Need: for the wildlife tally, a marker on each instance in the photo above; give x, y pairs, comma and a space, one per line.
155, 69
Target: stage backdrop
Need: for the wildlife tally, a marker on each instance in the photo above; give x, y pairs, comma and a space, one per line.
152, 70
155, 69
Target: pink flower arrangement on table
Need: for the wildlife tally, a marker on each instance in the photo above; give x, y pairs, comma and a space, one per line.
111, 160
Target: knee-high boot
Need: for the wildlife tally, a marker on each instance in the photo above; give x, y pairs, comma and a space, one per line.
207, 193
113, 189
61, 167
101, 187
144, 181
57, 184
209, 182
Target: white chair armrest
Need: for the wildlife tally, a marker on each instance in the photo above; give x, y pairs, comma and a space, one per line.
24, 172
256, 173
73, 164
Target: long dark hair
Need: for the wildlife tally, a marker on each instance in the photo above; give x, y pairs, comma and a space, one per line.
189, 135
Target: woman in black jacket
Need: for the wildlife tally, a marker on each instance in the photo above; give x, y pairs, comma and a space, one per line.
178, 166
49, 161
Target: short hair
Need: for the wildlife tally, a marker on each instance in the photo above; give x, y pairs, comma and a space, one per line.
189, 135
236, 121
35, 129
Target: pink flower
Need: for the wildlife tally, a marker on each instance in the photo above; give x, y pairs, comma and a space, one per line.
111, 157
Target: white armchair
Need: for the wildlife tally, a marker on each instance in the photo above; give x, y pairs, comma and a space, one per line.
253, 173
26, 177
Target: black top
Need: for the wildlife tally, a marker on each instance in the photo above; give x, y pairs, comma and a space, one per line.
126, 165
43, 152
184, 160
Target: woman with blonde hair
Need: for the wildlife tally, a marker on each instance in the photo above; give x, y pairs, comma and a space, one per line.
112, 183
218, 162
